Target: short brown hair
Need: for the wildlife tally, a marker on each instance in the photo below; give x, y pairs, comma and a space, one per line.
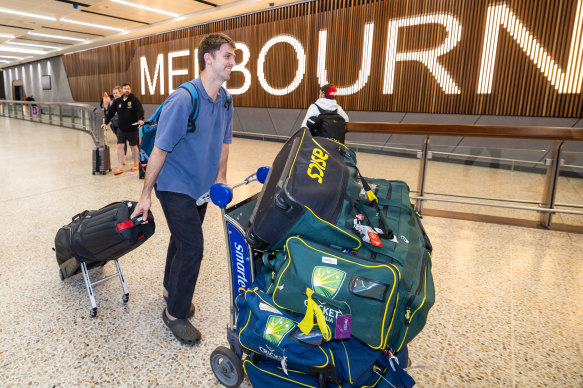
211, 44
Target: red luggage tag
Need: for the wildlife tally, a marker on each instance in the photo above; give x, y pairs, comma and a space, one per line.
375, 240
124, 225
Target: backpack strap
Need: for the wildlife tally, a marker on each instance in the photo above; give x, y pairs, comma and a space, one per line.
193, 91
326, 111
229, 99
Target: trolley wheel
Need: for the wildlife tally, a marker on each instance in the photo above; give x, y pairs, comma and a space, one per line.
227, 367
93, 312
93, 172
61, 275
125, 298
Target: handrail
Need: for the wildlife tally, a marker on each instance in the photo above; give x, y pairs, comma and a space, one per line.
500, 131
88, 119
559, 135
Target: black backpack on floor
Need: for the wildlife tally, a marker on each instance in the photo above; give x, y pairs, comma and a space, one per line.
328, 124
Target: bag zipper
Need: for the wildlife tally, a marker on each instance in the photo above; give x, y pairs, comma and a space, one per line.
421, 286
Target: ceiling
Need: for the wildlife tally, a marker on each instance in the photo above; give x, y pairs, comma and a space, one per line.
35, 29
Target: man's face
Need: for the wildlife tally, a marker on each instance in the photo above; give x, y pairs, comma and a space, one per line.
126, 90
221, 63
116, 93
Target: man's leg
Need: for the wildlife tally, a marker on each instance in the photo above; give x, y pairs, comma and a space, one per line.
185, 223
121, 158
135, 153
134, 140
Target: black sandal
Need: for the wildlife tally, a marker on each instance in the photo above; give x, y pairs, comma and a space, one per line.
182, 330
190, 312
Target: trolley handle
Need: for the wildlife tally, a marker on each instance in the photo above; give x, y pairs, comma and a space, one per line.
221, 194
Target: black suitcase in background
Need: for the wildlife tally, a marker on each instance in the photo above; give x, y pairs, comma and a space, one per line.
101, 160
95, 237
308, 173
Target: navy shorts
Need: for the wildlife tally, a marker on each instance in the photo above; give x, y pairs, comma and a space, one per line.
132, 137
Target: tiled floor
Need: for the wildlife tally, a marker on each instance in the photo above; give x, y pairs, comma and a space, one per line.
507, 309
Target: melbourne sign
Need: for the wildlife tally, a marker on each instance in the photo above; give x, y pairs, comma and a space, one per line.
377, 57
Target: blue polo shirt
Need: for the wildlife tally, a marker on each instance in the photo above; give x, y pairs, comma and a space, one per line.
193, 158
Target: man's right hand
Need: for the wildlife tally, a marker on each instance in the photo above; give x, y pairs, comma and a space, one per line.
103, 126
143, 207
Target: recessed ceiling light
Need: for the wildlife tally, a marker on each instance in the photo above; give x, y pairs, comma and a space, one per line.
9, 57
174, 15
33, 45
91, 25
21, 50
3, 61
6, 36
57, 36
32, 15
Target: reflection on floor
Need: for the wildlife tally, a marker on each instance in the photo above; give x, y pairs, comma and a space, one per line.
507, 309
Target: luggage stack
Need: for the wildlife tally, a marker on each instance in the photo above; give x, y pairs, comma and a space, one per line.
346, 278
95, 237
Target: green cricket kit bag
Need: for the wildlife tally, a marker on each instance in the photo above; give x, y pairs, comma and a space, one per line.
304, 192
380, 295
287, 357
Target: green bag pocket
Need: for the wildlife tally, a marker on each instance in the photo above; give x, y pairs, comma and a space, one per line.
340, 284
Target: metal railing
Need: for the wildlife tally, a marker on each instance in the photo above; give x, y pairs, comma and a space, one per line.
83, 117
546, 207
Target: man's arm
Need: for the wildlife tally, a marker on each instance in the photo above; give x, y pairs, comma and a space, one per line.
342, 113
222, 172
140, 112
312, 111
110, 112
155, 163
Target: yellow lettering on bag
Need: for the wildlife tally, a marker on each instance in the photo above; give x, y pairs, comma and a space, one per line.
318, 164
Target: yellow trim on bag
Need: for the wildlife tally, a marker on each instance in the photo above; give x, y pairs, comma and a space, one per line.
297, 152
334, 226
348, 363
273, 374
421, 305
397, 275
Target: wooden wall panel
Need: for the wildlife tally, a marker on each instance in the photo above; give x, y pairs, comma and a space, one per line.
518, 85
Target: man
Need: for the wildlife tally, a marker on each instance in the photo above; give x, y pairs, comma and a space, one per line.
325, 117
183, 165
130, 114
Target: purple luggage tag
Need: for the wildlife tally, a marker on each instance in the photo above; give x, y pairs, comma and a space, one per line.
343, 323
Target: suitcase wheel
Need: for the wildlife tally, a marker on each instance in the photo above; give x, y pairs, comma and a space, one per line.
93, 173
126, 297
227, 367
61, 275
94, 312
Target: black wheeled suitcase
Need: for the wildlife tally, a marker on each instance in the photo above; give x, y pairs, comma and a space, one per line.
98, 236
101, 160
304, 192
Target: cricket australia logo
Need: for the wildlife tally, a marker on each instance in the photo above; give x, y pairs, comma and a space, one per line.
277, 327
326, 281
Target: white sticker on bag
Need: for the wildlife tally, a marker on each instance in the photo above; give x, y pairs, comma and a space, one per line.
266, 307
329, 260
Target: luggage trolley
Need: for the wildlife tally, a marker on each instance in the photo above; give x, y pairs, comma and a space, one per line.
226, 363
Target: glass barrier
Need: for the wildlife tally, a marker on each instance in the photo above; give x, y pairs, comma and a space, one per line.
530, 176
83, 117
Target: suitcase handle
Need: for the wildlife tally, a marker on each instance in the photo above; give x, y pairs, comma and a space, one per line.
78, 216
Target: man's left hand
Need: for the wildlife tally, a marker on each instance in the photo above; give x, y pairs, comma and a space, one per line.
141, 122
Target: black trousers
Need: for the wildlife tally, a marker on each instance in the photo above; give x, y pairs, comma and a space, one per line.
185, 249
